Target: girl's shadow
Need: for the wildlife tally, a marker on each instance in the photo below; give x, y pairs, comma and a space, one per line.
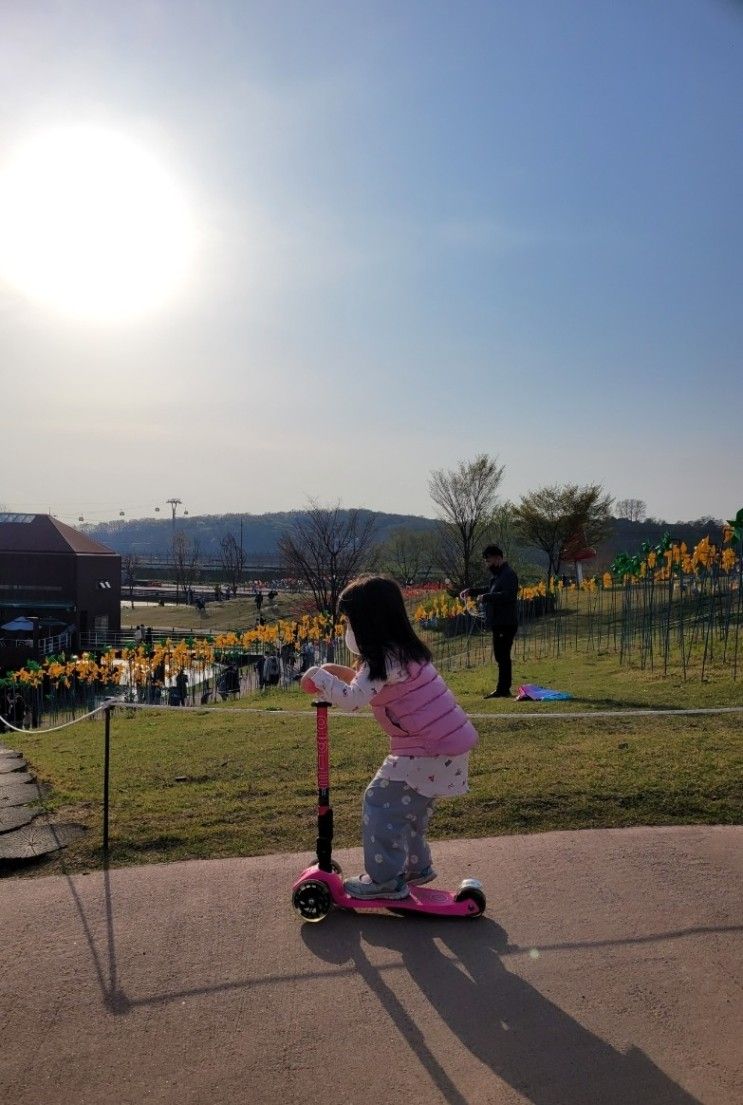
526, 1040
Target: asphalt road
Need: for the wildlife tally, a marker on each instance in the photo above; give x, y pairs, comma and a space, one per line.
607, 971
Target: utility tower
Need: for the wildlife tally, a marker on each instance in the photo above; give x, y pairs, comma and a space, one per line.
174, 504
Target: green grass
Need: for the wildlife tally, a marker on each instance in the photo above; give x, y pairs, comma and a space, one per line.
598, 682
231, 614
203, 784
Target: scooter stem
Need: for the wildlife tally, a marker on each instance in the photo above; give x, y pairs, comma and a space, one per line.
324, 809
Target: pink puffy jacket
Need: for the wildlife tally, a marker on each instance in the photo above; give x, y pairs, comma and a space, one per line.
422, 717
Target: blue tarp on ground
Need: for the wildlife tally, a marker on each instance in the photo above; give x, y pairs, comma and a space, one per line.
534, 693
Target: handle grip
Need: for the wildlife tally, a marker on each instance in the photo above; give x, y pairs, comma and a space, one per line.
323, 751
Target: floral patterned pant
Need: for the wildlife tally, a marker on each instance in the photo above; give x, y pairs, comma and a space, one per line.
395, 821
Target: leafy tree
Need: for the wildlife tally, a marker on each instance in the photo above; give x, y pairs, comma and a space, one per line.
326, 547
409, 555
466, 498
550, 517
504, 532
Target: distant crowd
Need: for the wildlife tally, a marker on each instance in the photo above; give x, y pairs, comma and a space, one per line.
224, 592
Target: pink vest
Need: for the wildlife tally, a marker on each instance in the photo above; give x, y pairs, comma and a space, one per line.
422, 717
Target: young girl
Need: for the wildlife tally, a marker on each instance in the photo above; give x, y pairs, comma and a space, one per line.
430, 735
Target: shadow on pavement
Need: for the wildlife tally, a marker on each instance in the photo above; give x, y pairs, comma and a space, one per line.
105, 963
520, 1035
525, 1039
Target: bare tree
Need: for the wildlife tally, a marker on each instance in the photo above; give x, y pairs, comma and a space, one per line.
408, 554
550, 518
466, 499
233, 560
129, 566
326, 547
635, 510
186, 560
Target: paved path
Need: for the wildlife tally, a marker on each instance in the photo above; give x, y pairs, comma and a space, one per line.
606, 972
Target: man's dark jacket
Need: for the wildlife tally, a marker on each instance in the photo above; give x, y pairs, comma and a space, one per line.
499, 599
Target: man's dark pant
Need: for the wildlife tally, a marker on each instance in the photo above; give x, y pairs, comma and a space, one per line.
503, 636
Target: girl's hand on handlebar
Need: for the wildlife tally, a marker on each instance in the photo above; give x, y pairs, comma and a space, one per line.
340, 671
307, 685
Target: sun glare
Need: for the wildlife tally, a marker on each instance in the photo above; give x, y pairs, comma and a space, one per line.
92, 225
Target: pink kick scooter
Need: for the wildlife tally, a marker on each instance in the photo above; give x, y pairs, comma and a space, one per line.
320, 887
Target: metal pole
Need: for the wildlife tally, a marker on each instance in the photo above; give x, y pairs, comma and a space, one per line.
106, 773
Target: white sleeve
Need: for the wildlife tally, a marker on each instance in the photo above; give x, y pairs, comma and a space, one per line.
346, 696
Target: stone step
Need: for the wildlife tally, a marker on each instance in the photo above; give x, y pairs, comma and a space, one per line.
9, 778
18, 794
11, 763
37, 840
16, 816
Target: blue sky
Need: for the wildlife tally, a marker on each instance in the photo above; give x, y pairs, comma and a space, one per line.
425, 230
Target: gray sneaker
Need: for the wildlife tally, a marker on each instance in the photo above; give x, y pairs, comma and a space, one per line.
364, 887
426, 875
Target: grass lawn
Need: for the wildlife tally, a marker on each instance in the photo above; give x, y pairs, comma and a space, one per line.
237, 613
201, 783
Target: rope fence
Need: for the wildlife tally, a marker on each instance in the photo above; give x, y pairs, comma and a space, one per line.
107, 709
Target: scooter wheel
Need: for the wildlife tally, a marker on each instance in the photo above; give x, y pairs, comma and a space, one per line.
312, 900
472, 894
336, 867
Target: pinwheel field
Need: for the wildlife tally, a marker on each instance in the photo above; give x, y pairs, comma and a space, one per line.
655, 635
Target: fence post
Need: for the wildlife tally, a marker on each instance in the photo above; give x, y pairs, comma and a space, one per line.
106, 771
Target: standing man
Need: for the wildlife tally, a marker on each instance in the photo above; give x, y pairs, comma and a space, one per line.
181, 685
501, 614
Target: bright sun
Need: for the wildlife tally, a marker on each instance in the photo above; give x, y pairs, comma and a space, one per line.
92, 225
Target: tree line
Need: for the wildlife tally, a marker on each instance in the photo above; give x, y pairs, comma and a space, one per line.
325, 546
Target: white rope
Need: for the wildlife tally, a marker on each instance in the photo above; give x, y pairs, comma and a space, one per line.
530, 715
649, 712
55, 728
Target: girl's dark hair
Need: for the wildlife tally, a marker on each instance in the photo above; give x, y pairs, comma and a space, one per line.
376, 610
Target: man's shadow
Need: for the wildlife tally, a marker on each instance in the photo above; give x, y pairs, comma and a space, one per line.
525, 1039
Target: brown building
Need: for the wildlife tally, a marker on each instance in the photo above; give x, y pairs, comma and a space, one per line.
56, 584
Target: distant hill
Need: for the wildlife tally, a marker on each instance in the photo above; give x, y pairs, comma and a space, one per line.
260, 532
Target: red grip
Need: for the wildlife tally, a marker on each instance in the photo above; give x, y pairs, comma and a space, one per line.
323, 752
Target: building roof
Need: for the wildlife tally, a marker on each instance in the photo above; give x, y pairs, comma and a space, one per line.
41, 533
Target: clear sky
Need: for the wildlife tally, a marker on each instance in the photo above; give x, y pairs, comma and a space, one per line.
416, 231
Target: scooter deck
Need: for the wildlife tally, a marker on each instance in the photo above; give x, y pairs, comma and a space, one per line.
421, 899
